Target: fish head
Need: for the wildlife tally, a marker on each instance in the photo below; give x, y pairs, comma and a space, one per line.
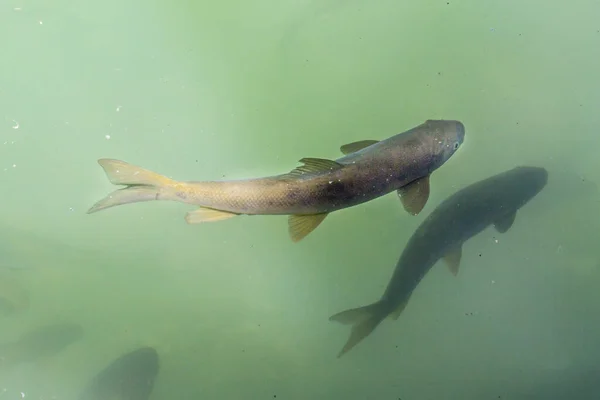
523, 183
446, 137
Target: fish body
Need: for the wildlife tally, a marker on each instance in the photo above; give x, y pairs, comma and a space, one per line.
129, 377
45, 341
369, 169
13, 297
493, 201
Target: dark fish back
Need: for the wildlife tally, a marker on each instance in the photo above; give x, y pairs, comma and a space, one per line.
130, 377
47, 341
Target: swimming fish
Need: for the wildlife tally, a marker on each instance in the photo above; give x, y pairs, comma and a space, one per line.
129, 377
13, 297
41, 342
493, 201
369, 169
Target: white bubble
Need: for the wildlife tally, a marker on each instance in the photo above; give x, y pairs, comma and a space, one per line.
107, 137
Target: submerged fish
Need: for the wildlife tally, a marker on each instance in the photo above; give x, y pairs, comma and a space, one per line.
129, 377
13, 297
41, 342
493, 201
308, 193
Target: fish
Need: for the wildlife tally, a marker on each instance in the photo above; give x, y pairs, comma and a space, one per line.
491, 202
13, 297
44, 341
129, 377
369, 169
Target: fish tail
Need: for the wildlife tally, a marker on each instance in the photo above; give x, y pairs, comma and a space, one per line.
364, 320
142, 184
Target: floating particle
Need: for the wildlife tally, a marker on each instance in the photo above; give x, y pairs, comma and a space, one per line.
107, 137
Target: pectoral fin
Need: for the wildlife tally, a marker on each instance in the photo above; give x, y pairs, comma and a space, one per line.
503, 224
207, 215
314, 166
452, 259
356, 146
414, 196
301, 225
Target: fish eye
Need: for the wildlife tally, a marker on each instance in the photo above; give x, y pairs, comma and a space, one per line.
456, 144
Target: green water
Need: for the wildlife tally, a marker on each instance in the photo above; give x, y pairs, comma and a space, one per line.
222, 90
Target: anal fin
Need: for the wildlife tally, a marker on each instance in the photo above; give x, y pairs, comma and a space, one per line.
356, 146
300, 226
207, 215
414, 196
396, 313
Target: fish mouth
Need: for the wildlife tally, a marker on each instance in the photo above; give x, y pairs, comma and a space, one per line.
544, 173
537, 177
460, 131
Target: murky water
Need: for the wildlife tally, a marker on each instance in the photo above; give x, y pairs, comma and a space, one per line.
227, 90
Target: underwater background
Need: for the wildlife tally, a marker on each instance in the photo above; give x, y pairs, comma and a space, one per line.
203, 90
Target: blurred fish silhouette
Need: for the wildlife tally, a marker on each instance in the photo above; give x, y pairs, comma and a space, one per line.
493, 201
42, 342
13, 297
129, 377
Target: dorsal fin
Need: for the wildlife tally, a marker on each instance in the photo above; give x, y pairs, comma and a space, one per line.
314, 166
396, 313
356, 146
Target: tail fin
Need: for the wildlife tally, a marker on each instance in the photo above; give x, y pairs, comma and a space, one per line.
364, 320
142, 184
